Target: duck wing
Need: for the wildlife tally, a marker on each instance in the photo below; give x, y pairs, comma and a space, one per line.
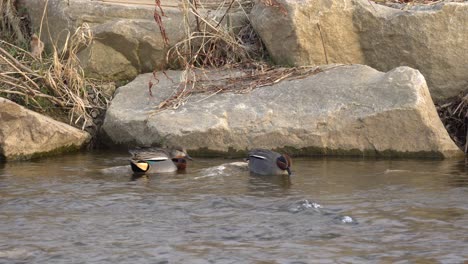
263, 154
149, 154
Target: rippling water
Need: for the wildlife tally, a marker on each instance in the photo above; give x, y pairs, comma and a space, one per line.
87, 208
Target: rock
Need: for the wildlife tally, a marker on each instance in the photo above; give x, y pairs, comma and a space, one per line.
99, 59
345, 110
25, 134
127, 40
432, 39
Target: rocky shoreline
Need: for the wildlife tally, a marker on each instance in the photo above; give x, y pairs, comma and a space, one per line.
381, 70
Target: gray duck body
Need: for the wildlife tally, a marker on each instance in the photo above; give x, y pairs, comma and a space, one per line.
264, 162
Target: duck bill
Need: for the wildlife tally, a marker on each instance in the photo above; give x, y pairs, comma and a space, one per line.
188, 157
289, 171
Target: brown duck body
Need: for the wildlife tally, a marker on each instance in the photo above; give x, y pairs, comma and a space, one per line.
158, 160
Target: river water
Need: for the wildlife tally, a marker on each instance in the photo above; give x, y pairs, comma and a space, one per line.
87, 208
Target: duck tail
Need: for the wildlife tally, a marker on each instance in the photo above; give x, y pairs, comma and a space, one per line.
139, 165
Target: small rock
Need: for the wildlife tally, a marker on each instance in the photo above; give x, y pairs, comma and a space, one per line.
25, 134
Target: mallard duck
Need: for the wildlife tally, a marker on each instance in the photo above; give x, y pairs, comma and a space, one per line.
158, 160
268, 162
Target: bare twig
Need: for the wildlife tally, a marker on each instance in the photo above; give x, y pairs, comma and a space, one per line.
225, 13
323, 43
158, 18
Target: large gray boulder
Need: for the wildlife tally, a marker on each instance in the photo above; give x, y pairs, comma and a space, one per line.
127, 40
345, 110
432, 39
25, 134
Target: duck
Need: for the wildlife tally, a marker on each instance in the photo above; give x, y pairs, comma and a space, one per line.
268, 162
158, 160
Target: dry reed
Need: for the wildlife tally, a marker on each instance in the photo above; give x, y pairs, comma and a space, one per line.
210, 43
406, 4
454, 115
56, 82
12, 25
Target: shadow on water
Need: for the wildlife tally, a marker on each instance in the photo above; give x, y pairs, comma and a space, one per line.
264, 185
139, 177
459, 174
147, 177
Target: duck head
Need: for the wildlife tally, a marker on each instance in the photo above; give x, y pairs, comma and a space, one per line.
284, 162
181, 163
180, 152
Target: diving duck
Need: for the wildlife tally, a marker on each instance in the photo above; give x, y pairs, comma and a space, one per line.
158, 160
267, 162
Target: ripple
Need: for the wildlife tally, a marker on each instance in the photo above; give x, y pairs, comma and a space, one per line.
21, 254
217, 212
303, 205
226, 169
15, 253
346, 219
117, 171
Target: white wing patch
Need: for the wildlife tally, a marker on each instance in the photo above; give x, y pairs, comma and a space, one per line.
258, 157
157, 159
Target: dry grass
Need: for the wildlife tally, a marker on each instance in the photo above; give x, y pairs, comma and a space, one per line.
12, 25
243, 80
209, 43
404, 4
454, 115
53, 84
408, 1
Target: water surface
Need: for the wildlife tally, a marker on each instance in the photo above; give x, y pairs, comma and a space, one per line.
84, 208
